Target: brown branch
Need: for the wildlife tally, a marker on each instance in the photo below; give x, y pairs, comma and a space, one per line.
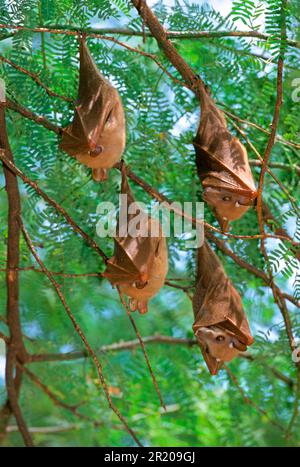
179, 35
278, 374
249, 401
155, 339
221, 245
169, 205
70, 408
103, 37
142, 344
93, 274
45, 430
119, 346
50, 126
277, 165
35, 78
6, 411
268, 170
16, 349
279, 100
192, 80
54, 204
281, 140
32, 116
196, 84
62, 274
185, 289
272, 223
80, 333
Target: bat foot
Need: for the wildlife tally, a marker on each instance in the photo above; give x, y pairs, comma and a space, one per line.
99, 175
141, 306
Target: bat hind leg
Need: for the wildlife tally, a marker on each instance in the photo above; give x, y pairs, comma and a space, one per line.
133, 305
141, 306
99, 175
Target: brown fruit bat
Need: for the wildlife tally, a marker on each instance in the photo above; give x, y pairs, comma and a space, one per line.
221, 325
222, 165
96, 136
140, 264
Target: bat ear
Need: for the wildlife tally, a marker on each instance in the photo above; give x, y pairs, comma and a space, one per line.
239, 345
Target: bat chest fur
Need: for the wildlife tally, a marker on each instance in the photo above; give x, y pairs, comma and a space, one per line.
156, 279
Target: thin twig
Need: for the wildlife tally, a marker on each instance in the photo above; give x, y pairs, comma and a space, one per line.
275, 121
142, 344
155, 339
54, 204
16, 349
80, 333
98, 32
250, 402
281, 140
58, 402
32, 116
36, 79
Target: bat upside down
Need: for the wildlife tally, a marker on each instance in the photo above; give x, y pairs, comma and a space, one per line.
222, 164
96, 136
221, 325
140, 263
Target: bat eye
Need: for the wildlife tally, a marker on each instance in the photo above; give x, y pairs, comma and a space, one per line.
226, 198
220, 338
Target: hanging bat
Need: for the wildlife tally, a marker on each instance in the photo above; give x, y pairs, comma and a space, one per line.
96, 136
140, 264
222, 164
221, 325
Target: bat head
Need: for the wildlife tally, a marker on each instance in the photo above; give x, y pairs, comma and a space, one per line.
226, 205
220, 344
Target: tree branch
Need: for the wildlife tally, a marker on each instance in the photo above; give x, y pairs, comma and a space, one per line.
16, 349
279, 100
141, 342
32, 116
54, 204
80, 333
155, 339
249, 401
179, 35
35, 78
